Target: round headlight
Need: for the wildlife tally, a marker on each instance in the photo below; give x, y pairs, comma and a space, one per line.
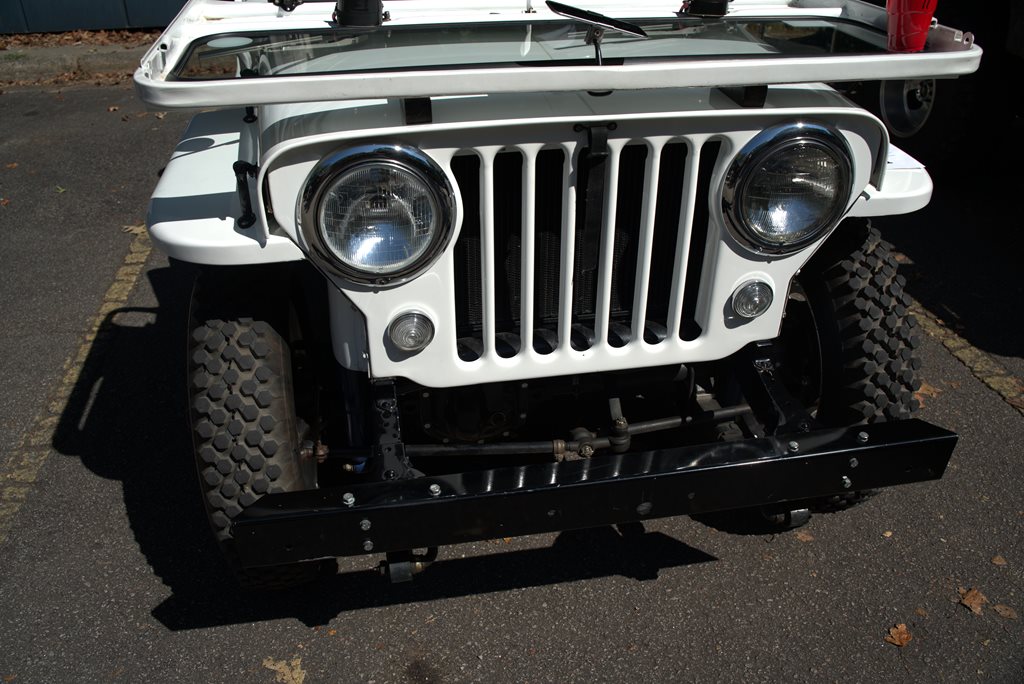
787, 187
378, 213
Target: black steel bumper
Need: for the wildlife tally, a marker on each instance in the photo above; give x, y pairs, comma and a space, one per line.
506, 502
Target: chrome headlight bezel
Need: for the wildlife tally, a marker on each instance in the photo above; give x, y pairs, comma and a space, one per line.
771, 142
404, 157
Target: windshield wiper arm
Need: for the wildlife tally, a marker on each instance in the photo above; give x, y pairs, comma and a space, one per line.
598, 24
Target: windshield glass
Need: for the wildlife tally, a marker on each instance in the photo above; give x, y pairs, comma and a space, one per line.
507, 44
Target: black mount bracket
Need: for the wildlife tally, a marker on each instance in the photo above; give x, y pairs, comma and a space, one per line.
752, 97
705, 8
417, 110
772, 402
243, 171
591, 191
389, 461
287, 5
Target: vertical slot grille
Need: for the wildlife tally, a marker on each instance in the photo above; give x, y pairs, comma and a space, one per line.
666, 233
547, 249
690, 329
640, 269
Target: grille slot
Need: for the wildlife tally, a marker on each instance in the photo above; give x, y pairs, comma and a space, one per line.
525, 271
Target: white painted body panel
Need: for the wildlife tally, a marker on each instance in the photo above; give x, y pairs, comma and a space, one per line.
193, 210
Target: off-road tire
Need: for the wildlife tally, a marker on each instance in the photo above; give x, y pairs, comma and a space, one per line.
866, 331
244, 427
867, 337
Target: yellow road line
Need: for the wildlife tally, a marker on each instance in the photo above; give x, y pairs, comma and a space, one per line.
19, 473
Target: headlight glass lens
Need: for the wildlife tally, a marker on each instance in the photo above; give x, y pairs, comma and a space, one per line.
787, 187
793, 193
379, 217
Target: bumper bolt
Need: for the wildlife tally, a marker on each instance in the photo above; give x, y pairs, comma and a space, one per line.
862, 437
586, 451
794, 447
364, 525
846, 482
854, 463
367, 545
435, 490
348, 499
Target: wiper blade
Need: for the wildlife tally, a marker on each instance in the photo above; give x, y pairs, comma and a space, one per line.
595, 19
598, 24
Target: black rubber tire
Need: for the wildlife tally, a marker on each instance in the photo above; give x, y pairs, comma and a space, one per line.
866, 335
244, 427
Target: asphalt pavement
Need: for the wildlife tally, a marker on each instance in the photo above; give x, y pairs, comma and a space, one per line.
108, 573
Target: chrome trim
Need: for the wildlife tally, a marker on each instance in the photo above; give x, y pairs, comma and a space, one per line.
408, 158
770, 142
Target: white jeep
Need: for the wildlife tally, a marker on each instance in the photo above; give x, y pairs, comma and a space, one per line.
475, 270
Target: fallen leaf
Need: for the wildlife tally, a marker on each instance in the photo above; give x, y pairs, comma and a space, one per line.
1005, 611
926, 390
973, 599
887, 534
60, 190
899, 635
286, 673
134, 230
804, 536
113, 108
332, 632
160, 115
4, 201
12, 165
998, 560
921, 612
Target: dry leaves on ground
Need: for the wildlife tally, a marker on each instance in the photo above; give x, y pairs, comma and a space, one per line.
113, 108
12, 165
285, 672
887, 534
804, 536
926, 390
998, 560
134, 38
1004, 611
899, 635
973, 599
134, 230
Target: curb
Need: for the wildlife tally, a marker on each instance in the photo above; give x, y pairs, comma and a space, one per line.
71, 62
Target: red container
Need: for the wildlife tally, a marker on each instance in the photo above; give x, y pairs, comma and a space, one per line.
909, 21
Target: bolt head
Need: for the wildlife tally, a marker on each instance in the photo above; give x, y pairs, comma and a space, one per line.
348, 499
846, 482
862, 437
794, 447
435, 490
364, 525
854, 463
367, 545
